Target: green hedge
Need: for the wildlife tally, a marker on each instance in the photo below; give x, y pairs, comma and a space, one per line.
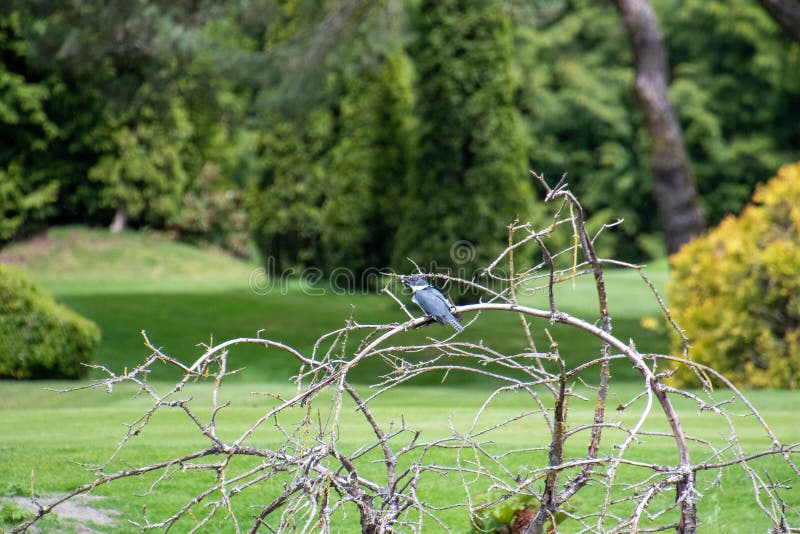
38, 337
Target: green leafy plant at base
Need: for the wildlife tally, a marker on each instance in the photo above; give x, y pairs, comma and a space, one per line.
736, 291
11, 514
509, 516
38, 337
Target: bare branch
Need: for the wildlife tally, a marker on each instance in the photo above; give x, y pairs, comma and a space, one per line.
294, 446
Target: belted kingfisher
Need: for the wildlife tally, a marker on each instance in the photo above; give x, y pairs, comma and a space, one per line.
431, 300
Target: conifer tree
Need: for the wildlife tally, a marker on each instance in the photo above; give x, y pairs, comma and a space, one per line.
470, 178
283, 199
368, 165
332, 170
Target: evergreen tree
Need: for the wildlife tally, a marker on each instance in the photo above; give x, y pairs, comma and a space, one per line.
143, 171
125, 90
735, 77
582, 119
470, 178
368, 165
327, 191
26, 132
736, 88
332, 172
284, 197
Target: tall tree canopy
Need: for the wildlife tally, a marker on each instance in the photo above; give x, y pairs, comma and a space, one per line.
734, 84
26, 131
129, 101
470, 180
582, 118
330, 169
736, 87
360, 133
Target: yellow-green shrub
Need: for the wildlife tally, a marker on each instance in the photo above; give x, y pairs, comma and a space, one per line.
736, 290
38, 337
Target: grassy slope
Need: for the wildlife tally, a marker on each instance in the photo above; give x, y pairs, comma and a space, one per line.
88, 261
181, 296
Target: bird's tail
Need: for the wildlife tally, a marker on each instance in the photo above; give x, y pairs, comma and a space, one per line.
452, 322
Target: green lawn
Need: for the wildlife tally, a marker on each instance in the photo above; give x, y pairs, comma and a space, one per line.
53, 433
183, 296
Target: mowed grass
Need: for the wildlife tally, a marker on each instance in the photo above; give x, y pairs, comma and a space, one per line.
54, 433
183, 296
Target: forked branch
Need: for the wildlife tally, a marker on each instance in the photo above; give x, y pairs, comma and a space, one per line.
302, 476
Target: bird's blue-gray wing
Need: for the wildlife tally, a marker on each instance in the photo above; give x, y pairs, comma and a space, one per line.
437, 306
431, 302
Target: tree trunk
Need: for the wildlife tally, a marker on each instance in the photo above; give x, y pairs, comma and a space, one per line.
787, 14
120, 221
673, 183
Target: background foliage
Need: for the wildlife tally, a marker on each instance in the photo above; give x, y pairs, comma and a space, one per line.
357, 138
469, 181
736, 88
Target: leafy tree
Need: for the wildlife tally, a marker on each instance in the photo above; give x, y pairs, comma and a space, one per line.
734, 78
285, 196
142, 172
581, 118
470, 179
328, 190
736, 85
140, 108
146, 98
736, 291
674, 189
26, 132
212, 211
332, 173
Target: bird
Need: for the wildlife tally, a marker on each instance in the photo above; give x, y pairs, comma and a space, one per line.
431, 300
